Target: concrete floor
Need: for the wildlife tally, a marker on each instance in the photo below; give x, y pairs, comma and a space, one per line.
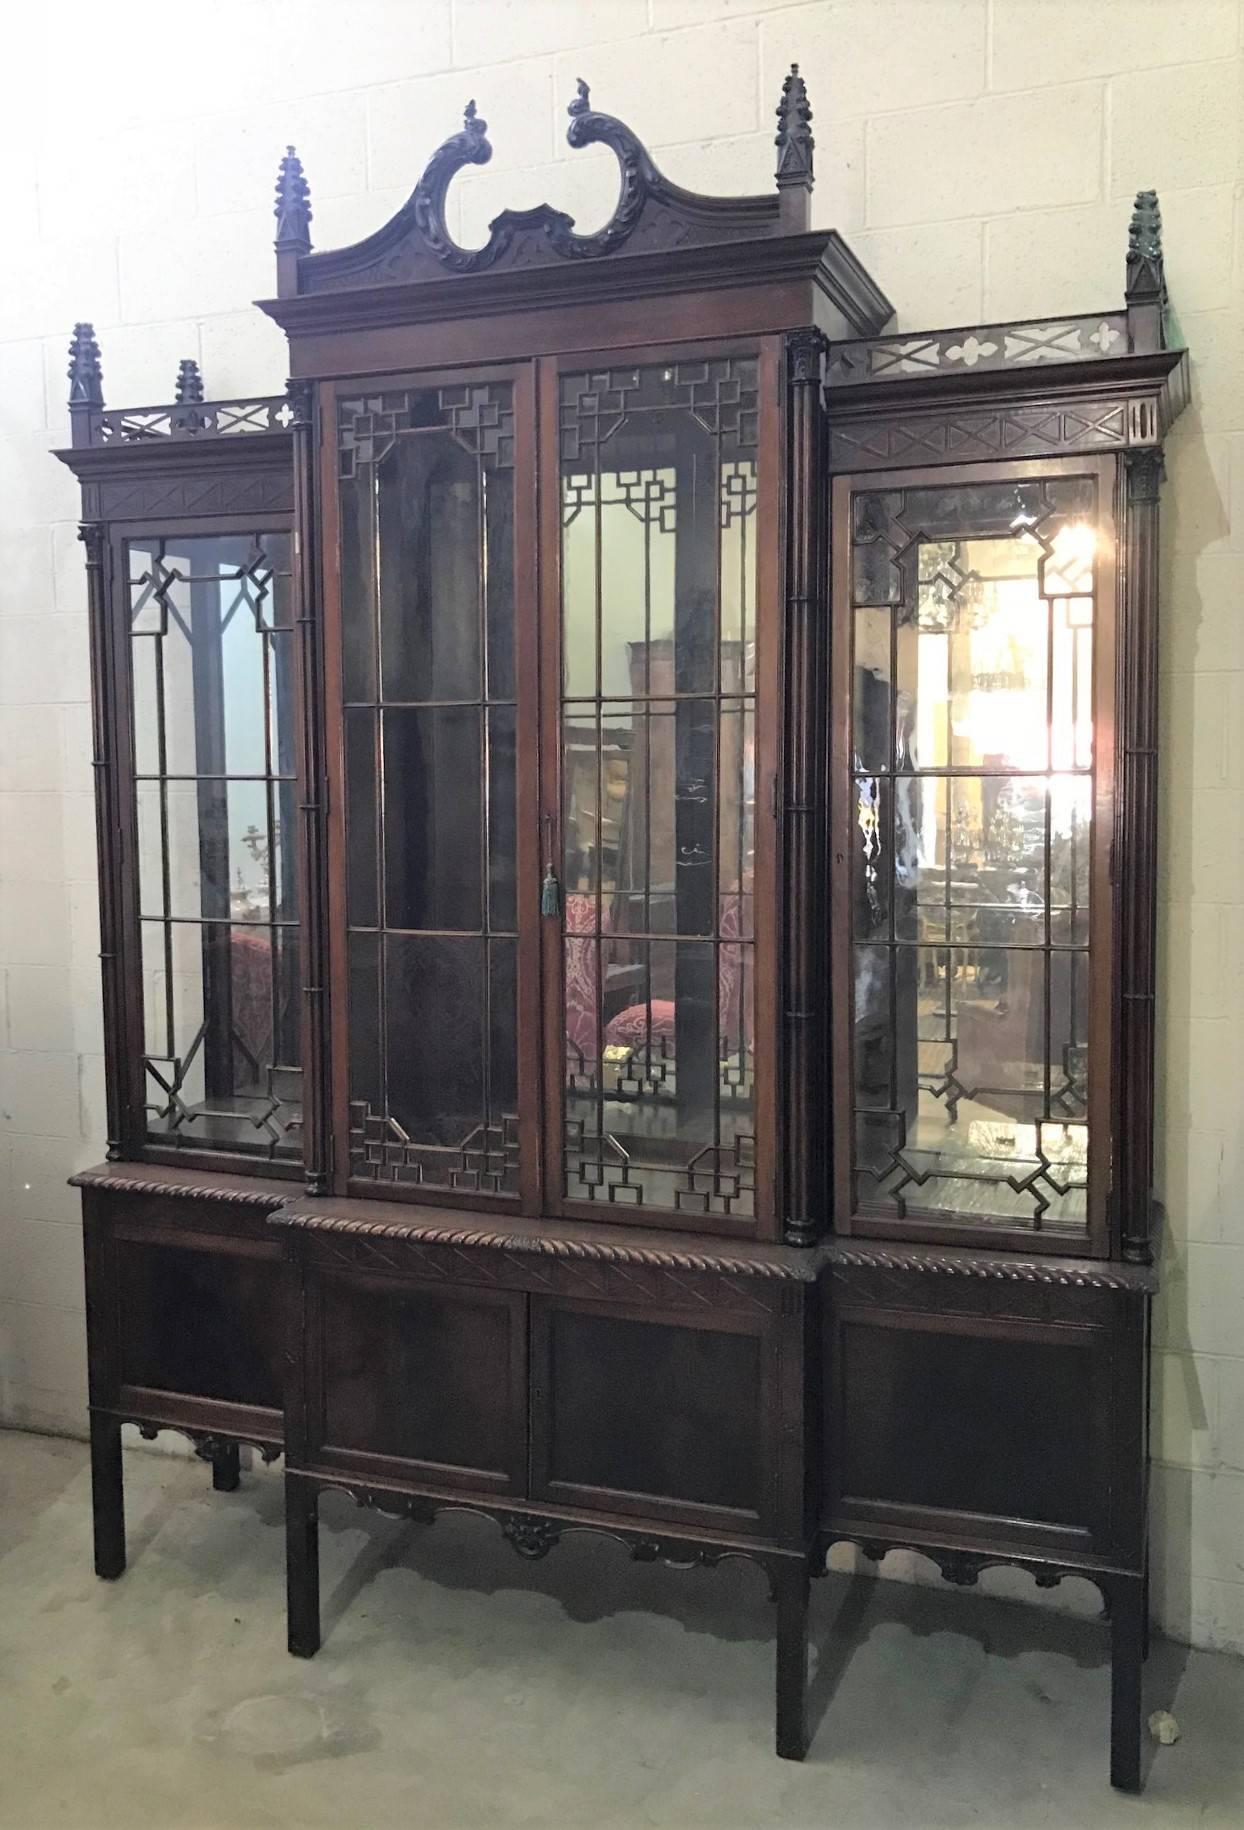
459, 1686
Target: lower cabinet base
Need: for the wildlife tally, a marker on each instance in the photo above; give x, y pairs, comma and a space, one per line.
534, 1534
692, 1399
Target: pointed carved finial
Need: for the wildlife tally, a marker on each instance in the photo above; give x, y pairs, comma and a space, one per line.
1144, 235
1145, 290
794, 161
85, 375
583, 99
794, 135
189, 383
473, 121
293, 207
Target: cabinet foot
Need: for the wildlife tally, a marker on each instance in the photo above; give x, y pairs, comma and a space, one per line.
1127, 1633
302, 1566
791, 1583
107, 1498
226, 1468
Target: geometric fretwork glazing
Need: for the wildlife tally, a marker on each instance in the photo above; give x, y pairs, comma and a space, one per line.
431, 739
972, 803
658, 704
212, 682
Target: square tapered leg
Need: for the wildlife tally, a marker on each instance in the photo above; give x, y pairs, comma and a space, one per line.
107, 1497
1127, 1630
791, 1581
302, 1565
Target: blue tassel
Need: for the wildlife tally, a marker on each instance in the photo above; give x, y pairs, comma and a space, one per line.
550, 893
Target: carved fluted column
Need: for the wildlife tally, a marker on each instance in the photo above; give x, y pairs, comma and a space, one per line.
1135, 868
804, 1108
313, 873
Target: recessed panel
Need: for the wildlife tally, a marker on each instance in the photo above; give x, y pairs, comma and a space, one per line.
650, 1408
423, 1376
956, 1423
200, 1324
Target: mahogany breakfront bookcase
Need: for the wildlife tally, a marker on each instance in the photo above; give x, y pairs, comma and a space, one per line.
626, 809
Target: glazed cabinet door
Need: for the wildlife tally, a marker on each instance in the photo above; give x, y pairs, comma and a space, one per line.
208, 746
973, 784
430, 676
660, 710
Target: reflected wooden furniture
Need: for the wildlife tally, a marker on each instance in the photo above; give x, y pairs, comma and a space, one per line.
671, 494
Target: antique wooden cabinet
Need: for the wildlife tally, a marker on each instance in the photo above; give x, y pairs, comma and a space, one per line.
707, 755
188, 515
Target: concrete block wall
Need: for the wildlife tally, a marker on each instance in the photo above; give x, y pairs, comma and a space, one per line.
981, 155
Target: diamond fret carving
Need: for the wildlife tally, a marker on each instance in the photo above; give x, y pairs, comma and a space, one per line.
994, 346
191, 420
177, 496
1017, 431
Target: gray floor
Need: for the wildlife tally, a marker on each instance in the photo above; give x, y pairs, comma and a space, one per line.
459, 1686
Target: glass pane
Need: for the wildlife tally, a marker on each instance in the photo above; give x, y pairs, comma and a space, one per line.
435, 1079
433, 844
658, 774
361, 728
427, 513
216, 823
971, 836
429, 546
222, 1013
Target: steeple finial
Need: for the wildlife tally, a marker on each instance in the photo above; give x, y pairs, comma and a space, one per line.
1144, 237
293, 207
1145, 291
189, 383
794, 135
85, 376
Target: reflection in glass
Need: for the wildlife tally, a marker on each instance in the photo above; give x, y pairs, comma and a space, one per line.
428, 663
971, 812
215, 809
658, 777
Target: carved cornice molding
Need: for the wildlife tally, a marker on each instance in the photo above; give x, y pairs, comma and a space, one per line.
227, 1194
496, 1238
1086, 1274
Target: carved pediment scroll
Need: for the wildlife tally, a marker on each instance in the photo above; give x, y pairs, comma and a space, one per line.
652, 214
